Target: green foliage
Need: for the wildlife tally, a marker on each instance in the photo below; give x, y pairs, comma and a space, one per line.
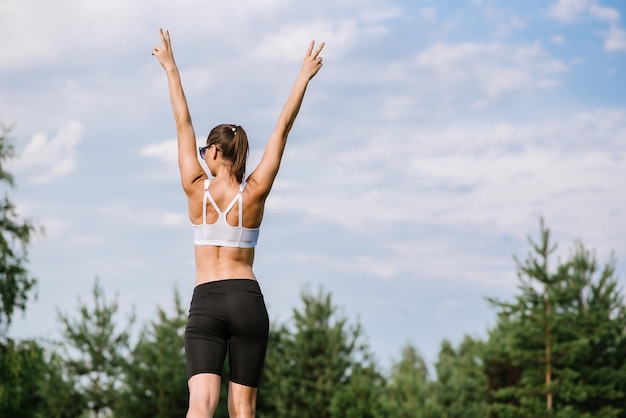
461, 385
15, 234
409, 392
32, 383
359, 397
95, 352
558, 348
311, 366
60, 398
155, 382
20, 364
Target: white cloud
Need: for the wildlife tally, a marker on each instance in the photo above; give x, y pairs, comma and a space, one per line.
383, 269
125, 214
394, 193
615, 40
289, 42
428, 13
54, 156
570, 10
43, 33
504, 23
165, 151
480, 72
451, 259
197, 79
496, 176
606, 14
558, 39
378, 267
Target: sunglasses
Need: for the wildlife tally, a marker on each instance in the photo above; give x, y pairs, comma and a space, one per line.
203, 149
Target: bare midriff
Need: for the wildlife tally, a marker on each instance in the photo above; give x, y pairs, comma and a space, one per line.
220, 263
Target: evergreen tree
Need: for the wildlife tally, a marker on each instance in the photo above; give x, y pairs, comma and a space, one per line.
40, 387
15, 234
461, 386
20, 364
95, 351
309, 363
154, 382
59, 395
560, 344
409, 391
20, 361
359, 397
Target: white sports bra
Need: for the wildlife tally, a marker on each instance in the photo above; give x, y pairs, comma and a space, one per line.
220, 233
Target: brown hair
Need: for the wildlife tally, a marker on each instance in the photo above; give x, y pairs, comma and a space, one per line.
232, 141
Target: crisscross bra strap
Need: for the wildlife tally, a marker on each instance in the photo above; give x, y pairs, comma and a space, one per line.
238, 198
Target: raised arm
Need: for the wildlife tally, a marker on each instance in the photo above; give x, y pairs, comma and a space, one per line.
263, 176
190, 168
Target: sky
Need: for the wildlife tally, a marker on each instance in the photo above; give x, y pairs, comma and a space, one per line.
427, 149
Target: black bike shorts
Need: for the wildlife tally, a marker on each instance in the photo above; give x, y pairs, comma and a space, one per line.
227, 315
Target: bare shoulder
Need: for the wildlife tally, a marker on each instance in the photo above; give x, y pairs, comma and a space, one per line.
254, 204
195, 192
191, 185
257, 188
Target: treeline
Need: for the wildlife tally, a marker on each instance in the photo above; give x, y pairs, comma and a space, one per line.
558, 349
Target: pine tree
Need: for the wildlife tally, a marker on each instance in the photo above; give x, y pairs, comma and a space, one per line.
309, 363
409, 391
15, 234
95, 351
20, 361
461, 386
59, 396
560, 343
359, 397
154, 380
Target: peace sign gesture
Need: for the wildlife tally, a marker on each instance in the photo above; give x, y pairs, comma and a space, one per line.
163, 52
312, 61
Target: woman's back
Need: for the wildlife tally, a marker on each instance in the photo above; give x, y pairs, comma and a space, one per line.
218, 262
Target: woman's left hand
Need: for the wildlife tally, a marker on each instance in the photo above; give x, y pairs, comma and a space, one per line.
312, 61
163, 52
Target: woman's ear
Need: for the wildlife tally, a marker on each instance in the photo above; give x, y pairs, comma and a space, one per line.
214, 152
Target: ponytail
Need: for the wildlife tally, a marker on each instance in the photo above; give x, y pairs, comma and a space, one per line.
240, 142
232, 141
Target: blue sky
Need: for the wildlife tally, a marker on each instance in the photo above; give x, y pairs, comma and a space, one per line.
427, 149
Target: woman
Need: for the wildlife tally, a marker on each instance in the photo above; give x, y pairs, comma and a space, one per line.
227, 309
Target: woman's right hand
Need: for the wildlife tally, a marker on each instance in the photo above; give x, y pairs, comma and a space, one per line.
312, 61
163, 52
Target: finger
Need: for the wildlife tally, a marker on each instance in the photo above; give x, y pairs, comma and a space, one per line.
167, 38
308, 51
162, 37
318, 50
